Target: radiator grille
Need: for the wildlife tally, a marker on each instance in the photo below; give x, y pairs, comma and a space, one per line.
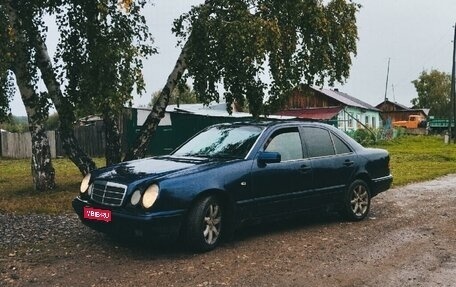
108, 193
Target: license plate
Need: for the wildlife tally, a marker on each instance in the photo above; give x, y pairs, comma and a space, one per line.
97, 214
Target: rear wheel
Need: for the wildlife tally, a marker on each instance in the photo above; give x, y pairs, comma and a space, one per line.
357, 201
204, 225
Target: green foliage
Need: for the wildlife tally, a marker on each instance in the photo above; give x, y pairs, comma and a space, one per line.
7, 89
101, 46
235, 43
23, 22
433, 90
364, 137
182, 95
100, 51
15, 124
52, 123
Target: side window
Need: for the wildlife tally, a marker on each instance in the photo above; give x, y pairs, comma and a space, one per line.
287, 142
318, 141
340, 146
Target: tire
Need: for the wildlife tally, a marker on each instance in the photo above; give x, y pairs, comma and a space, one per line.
357, 201
204, 224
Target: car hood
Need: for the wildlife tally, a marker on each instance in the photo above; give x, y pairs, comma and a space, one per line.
149, 168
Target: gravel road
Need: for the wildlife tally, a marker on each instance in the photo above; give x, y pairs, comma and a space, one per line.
409, 239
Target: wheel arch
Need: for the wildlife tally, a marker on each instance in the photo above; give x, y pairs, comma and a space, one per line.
366, 178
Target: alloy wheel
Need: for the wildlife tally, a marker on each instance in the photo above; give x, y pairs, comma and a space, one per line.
212, 222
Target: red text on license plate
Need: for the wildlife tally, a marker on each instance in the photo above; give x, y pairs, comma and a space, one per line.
97, 214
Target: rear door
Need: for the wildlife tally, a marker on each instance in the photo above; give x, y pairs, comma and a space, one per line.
333, 164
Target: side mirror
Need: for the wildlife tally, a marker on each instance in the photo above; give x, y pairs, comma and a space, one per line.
269, 157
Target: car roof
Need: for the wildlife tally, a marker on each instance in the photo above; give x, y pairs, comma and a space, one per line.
277, 123
270, 123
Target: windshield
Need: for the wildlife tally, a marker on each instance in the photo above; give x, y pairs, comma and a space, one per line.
221, 141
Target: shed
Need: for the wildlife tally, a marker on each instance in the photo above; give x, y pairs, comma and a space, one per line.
180, 123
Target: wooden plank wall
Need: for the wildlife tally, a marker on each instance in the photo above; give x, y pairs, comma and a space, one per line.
19, 145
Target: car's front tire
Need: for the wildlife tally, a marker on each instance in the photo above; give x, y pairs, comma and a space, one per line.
204, 224
357, 201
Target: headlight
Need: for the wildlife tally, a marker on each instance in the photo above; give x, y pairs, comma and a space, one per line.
135, 197
85, 183
150, 195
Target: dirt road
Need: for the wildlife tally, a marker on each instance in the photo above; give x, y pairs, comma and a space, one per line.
409, 239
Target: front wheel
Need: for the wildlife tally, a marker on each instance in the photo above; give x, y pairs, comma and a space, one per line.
357, 201
204, 225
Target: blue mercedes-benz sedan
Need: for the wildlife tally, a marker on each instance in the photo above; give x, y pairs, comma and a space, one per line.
232, 174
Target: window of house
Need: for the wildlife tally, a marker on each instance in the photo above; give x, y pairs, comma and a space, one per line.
374, 122
366, 120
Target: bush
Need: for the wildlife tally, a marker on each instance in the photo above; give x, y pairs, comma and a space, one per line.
364, 137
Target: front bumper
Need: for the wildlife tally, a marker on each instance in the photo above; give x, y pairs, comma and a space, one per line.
381, 184
160, 224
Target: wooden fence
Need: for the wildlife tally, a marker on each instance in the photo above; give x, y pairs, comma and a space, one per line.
91, 139
19, 145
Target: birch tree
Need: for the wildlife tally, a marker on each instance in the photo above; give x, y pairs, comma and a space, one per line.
19, 59
102, 46
257, 51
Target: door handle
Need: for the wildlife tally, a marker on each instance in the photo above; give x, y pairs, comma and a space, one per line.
348, 162
304, 168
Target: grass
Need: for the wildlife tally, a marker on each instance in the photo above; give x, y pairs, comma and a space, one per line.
420, 158
413, 159
16, 187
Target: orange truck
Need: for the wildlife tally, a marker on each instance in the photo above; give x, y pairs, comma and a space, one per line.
413, 122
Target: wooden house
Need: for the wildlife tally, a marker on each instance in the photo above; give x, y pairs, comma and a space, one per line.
344, 111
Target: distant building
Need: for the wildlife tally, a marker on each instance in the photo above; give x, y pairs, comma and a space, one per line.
392, 111
344, 111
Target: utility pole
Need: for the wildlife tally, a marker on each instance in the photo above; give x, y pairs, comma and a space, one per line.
387, 75
452, 94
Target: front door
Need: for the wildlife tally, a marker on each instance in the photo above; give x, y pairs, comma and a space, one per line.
276, 185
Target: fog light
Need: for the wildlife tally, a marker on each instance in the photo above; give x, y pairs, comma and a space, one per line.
135, 197
90, 190
150, 195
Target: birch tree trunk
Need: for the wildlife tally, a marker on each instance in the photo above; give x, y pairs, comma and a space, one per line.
41, 164
158, 110
65, 110
113, 152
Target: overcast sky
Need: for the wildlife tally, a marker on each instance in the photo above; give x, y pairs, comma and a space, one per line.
415, 34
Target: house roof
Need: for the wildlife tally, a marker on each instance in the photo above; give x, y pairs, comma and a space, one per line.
403, 108
346, 99
312, 113
400, 106
216, 110
212, 110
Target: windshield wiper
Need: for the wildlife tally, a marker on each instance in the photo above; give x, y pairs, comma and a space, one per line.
197, 155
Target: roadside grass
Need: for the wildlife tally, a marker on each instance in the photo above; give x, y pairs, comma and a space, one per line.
413, 159
419, 158
16, 187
